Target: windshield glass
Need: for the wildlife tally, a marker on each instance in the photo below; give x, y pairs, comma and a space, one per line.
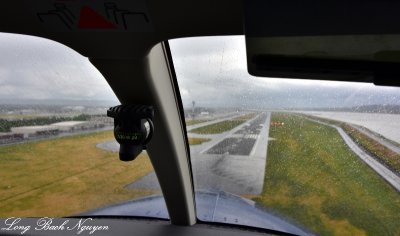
300, 156
58, 156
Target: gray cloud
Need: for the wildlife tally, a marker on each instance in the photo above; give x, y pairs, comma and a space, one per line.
37, 68
212, 71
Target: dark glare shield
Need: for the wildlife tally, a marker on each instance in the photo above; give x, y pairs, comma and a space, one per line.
356, 40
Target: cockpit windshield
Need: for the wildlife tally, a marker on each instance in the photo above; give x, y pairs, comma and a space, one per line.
58, 155
301, 156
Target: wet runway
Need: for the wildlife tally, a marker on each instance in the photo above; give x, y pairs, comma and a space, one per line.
234, 146
233, 161
242, 141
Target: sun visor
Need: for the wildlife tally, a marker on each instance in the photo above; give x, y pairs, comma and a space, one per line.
355, 40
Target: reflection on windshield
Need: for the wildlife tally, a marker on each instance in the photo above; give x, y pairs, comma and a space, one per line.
305, 157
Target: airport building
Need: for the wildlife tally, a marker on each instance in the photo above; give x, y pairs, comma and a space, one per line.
29, 131
52, 129
10, 137
68, 126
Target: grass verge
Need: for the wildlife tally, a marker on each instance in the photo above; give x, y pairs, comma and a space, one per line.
314, 178
65, 176
223, 126
197, 141
379, 151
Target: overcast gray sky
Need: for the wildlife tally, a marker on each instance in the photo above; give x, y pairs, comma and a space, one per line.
36, 68
211, 71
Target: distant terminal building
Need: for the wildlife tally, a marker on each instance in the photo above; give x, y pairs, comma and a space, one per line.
107, 121
52, 129
68, 126
29, 131
10, 137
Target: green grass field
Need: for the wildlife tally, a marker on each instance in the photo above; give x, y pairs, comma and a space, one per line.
65, 176
313, 178
197, 141
380, 152
223, 126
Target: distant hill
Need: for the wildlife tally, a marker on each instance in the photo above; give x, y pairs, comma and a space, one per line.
387, 109
391, 109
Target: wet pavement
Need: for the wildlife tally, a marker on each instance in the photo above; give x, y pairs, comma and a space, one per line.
233, 161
